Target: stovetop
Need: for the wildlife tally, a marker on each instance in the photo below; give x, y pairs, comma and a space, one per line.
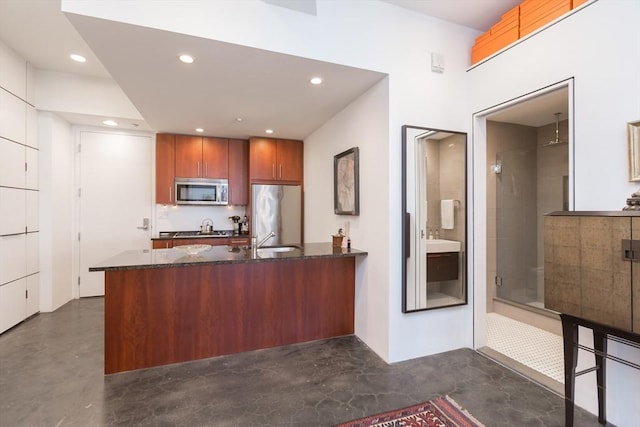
190, 234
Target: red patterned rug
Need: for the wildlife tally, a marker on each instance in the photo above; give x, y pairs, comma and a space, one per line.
440, 412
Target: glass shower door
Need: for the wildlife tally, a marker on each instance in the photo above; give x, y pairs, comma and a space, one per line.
518, 274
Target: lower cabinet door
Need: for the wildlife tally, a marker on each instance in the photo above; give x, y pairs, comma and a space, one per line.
12, 304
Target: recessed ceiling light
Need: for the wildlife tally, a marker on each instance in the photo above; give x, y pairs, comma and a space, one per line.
78, 58
199, 130
316, 80
110, 123
269, 131
187, 59
239, 119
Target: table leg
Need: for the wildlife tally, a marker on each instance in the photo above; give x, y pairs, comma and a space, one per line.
570, 342
600, 347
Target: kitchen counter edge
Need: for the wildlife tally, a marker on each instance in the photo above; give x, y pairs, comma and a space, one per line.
168, 258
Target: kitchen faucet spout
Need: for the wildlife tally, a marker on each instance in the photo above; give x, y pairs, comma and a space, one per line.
264, 240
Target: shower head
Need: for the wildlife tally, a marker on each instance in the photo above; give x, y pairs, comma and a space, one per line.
556, 141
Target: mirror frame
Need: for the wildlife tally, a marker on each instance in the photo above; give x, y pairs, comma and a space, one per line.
406, 221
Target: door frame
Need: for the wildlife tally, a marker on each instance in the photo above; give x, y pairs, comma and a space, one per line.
76, 131
479, 190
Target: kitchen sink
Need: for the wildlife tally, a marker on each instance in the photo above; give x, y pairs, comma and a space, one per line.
272, 250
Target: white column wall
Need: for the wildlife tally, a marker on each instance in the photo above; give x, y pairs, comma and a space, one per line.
599, 47
56, 211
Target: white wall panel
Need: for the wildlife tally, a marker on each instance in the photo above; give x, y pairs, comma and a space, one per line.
12, 304
33, 294
13, 117
13, 71
33, 253
31, 84
32, 127
31, 156
13, 258
12, 159
12, 210
32, 214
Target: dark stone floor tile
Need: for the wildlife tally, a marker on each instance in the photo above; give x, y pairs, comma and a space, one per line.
51, 374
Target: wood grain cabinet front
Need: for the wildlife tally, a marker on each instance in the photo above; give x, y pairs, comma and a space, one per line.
275, 160
165, 168
201, 157
238, 172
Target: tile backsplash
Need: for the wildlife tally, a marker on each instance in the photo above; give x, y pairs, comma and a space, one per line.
189, 218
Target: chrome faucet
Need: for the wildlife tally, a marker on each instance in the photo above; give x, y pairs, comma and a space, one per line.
264, 240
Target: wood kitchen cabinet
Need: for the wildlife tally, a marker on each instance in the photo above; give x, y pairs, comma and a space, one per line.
201, 157
165, 168
238, 172
275, 160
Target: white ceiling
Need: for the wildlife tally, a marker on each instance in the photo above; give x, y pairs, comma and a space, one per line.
227, 81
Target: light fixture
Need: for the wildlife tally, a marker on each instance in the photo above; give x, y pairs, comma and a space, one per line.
78, 58
199, 130
239, 119
110, 122
269, 131
187, 59
316, 80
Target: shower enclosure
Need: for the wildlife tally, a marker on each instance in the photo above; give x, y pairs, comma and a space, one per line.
531, 179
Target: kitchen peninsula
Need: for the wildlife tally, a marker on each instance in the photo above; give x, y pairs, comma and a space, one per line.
164, 306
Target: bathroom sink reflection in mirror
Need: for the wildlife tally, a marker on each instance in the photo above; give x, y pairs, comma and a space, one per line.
441, 245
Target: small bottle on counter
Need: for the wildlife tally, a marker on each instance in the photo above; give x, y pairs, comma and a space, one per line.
245, 225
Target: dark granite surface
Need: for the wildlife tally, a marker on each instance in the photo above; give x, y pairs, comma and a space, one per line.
177, 257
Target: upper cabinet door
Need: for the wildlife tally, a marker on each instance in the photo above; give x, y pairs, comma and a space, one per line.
262, 159
238, 168
289, 158
215, 158
189, 156
165, 168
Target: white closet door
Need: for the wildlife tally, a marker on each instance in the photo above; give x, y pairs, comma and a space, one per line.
115, 182
12, 303
13, 257
32, 168
11, 163
12, 210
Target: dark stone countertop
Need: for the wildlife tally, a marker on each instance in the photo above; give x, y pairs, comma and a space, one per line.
176, 257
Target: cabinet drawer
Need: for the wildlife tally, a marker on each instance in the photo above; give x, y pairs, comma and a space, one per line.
442, 266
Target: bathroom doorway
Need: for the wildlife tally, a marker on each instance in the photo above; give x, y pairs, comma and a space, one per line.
528, 149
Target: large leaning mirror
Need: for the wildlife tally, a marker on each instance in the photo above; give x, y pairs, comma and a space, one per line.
434, 231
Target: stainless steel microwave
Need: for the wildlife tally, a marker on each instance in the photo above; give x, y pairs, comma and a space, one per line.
198, 191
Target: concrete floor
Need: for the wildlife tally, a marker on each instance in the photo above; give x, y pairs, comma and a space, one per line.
51, 375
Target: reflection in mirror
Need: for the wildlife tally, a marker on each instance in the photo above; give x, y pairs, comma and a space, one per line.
434, 224
633, 133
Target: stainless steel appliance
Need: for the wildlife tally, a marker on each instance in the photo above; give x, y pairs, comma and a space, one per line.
198, 191
278, 209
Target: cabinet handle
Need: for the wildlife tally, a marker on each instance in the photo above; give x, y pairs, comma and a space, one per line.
273, 170
170, 194
198, 169
280, 171
206, 169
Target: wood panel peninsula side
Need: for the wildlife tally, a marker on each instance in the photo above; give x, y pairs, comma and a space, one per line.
163, 306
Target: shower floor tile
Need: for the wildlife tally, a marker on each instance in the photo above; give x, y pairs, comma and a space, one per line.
533, 347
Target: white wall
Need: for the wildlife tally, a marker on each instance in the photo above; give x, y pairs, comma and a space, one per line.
371, 35
599, 47
56, 211
363, 124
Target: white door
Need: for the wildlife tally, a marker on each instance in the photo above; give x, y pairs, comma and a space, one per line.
115, 199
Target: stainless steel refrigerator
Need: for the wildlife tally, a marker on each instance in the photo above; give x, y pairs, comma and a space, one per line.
277, 208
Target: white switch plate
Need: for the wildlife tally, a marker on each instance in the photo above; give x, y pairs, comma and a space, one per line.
437, 62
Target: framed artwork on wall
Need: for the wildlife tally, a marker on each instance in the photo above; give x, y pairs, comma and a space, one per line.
346, 188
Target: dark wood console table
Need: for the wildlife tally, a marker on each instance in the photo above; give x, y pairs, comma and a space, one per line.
601, 334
